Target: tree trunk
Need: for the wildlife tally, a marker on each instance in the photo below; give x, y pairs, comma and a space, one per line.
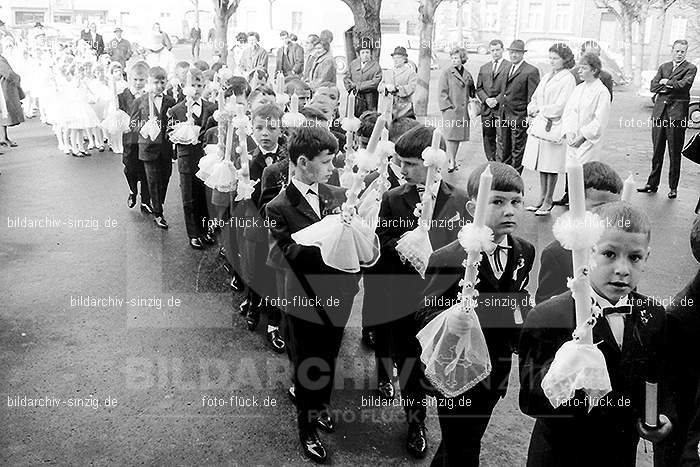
220, 45
367, 24
641, 30
627, 41
657, 44
460, 23
196, 12
269, 12
426, 13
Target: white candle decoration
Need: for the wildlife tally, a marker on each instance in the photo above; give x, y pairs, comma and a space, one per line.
294, 105
627, 189
651, 416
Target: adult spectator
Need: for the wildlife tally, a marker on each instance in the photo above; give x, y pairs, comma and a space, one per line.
119, 48
363, 78
196, 38
400, 81
455, 88
516, 93
605, 77
95, 40
12, 113
492, 77
164, 36
254, 57
671, 87
290, 57
323, 69
309, 46
236, 55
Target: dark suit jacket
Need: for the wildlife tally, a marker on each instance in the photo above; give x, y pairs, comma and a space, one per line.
604, 77
691, 450
674, 96
161, 148
399, 283
176, 93
189, 154
490, 85
683, 317
558, 432
517, 90
556, 265
96, 43
125, 100
290, 62
306, 275
497, 300
365, 82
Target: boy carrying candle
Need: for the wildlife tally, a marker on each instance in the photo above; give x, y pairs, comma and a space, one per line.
396, 282
502, 301
630, 334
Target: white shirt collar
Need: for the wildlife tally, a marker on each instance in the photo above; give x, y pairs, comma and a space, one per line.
604, 303
515, 67
303, 187
503, 243
272, 151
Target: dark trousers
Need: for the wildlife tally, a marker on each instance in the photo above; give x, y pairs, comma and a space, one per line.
135, 172
158, 175
194, 204
314, 351
489, 128
382, 352
406, 351
463, 425
671, 132
511, 140
195, 48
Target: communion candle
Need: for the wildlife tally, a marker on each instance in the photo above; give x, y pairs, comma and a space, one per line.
294, 103
577, 199
482, 198
351, 105
376, 134
627, 189
651, 416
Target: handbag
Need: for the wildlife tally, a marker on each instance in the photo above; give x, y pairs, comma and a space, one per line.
546, 129
691, 150
474, 108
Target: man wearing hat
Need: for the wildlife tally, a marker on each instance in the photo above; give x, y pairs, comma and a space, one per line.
401, 83
363, 78
520, 84
290, 57
119, 48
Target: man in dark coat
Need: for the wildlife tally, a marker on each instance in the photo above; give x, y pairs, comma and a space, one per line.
119, 48
290, 57
363, 77
10, 82
95, 40
518, 88
671, 86
492, 76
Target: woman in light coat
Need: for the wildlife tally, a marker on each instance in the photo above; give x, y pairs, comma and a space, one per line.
587, 112
546, 108
455, 87
400, 81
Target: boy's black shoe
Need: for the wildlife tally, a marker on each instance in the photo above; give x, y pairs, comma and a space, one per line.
417, 443
647, 189
276, 341
312, 446
160, 222
146, 208
131, 201
196, 243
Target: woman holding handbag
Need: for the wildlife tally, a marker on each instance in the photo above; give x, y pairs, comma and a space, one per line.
545, 151
456, 87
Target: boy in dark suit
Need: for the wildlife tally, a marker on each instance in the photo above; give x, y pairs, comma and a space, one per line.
316, 324
492, 76
602, 185
671, 88
684, 345
193, 190
133, 166
260, 278
399, 282
175, 91
517, 90
630, 334
502, 300
156, 155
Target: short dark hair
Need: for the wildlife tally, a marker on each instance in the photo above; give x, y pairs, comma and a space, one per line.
201, 65
260, 73
253, 33
496, 42
593, 61
400, 126
284, 33
565, 53
679, 41
296, 85
367, 121
242, 37
505, 178
601, 176
312, 113
589, 43
621, 215
412, 143
182, 64
158, 72
310, 141
267, 112
326, 34
461, 51
264, 89
324, 43
695, 238
293, 37
216, 66
238, 86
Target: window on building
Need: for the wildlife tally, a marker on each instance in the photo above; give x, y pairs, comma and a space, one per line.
562, 16
678, 30
391, 26
534, 15
29, 17
250, 19
66, 19
296, 21
491, 15
412, 28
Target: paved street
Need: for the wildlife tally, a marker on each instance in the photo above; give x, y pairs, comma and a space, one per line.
101, 306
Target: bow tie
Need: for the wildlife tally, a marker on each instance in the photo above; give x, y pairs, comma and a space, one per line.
421, 189
622, 310
497, 248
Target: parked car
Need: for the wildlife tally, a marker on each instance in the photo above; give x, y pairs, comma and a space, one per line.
694, 108
450, 39
538, 54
